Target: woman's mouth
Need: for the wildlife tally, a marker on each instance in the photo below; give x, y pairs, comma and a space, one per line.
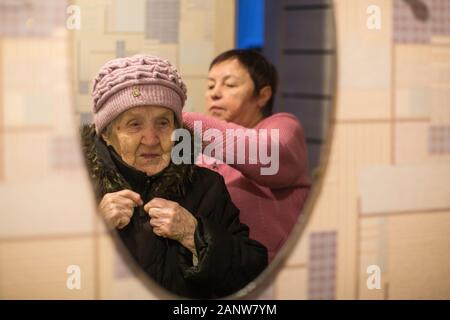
216, 109
150, 156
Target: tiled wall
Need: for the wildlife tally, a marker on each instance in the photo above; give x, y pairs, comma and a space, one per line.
384, 199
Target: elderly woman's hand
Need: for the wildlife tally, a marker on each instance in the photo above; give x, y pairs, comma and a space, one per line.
172, 221
117, 207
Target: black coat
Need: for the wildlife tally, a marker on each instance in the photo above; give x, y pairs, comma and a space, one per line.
227, 258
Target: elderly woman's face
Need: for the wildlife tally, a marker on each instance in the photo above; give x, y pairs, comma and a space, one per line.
142, 137
230, 95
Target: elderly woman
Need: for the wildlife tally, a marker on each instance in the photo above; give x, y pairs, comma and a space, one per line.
177, 220
239, 98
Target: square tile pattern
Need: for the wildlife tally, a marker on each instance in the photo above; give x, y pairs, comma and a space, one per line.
322, 265
417, 21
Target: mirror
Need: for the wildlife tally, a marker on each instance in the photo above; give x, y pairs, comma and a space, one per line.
261, 166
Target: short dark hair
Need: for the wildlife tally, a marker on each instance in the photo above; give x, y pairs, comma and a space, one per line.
261, 70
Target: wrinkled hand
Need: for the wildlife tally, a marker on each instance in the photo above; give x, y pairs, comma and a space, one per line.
117, 207
170, 220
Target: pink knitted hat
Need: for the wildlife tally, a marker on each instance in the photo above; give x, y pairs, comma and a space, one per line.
124, 83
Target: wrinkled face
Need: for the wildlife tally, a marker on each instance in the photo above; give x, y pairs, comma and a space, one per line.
230, 95
142, 137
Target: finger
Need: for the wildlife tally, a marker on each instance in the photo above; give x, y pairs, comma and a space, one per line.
134, 196
123, 222
122, 225
111, 200
117, 210
125, 202
154, 203
156, 213
155, 222
127, 212
159, 232
158, 203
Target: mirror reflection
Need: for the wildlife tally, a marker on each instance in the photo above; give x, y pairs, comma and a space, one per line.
204, 198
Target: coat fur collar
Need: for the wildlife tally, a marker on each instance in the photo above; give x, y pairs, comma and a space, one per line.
171, 183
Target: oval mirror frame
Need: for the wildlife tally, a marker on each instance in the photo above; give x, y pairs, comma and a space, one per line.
256, 287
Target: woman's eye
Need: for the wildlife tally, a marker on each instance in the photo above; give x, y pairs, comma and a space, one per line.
230, 85
163, 124
133, 124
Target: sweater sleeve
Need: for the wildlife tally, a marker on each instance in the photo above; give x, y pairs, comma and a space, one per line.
280, 159
227, 258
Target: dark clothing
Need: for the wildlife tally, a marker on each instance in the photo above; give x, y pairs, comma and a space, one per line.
227, 258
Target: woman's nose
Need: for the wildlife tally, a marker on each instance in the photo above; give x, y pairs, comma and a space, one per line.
216, 93
150, 137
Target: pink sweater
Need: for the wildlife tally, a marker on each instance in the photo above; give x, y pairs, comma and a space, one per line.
269, 204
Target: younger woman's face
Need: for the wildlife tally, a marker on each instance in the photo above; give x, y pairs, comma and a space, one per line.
231, 94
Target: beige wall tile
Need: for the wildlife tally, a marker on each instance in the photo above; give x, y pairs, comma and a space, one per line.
387, 189
37, 268
372, 251
299, 254
291, 283
418, 259
364, 61
196, 93
46, 207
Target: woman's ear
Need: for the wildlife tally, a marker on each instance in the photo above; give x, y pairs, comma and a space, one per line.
106, 138
264, 96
